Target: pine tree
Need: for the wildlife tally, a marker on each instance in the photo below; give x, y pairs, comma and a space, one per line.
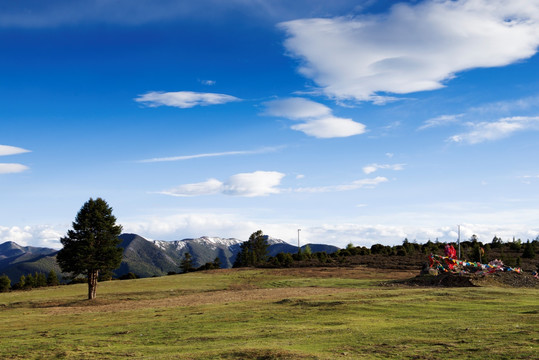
529, 251
92, 245
52, 278
254, 251
307, 252
30, 282
186, 264
22, 282
41, 279
5, 283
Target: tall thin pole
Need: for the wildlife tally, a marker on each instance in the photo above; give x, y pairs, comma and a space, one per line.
299, 248
458, 242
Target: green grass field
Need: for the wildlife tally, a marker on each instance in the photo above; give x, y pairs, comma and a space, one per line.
269, 314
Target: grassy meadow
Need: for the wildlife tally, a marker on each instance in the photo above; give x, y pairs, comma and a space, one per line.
270, 314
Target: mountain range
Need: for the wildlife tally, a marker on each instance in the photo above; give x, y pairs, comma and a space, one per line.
143, 257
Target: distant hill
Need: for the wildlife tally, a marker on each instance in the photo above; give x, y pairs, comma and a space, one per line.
17, 260
203, 250
143, 257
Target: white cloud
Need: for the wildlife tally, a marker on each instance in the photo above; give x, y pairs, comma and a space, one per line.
208, 82
317, 119
296, 109
11, 150
40, 235
369, 169
12, 168
181, 226
208, 187
529, 179
354, 185
9, 168
414, 47
508, 106
258, 183
442, 120
488, 131
330, 127
184, 99
219, 154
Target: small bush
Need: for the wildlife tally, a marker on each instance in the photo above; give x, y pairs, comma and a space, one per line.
129, 276
5, 283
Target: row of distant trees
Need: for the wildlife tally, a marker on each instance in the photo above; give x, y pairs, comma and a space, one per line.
254, 251
29, 281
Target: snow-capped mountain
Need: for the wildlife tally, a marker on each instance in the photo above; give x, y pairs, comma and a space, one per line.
143, 257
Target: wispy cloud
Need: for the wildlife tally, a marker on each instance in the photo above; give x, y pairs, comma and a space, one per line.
442, 120
217, 154
12, 168
134, 12
258, 183
508, 106
354, 185
208, 82
528, 179
317, 119
488, 131
415, 47
11, 150
183, 99
369, 169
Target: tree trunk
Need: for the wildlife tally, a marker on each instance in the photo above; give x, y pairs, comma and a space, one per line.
92, 283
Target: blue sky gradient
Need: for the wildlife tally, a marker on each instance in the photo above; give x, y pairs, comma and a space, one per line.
356, 121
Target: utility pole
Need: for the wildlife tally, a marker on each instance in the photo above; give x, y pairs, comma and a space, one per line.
458, 242
299, 248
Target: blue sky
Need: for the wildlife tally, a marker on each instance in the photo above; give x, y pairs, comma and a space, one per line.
356, 121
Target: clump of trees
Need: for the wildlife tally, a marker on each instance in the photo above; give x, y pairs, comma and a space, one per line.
91, 246
187, 265
254, 252
29, 281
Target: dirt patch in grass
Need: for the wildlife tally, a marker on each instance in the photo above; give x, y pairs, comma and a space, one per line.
265, 355
205, 298
352, 272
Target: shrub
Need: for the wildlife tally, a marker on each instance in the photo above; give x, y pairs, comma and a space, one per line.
529, 251
52, 278
129, 276
5, 283
285, 259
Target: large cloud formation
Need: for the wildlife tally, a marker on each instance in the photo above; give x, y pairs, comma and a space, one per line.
415, 47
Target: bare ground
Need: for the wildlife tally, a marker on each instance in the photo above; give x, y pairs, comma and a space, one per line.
236, 292
212, 297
